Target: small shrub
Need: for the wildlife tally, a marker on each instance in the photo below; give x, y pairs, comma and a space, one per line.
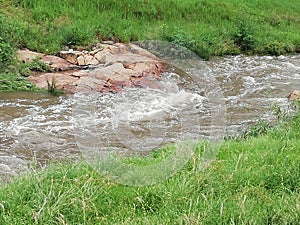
260, 128
14, 82
180, 37
75, 36
276, 48
243, 38
35, 66
6, 53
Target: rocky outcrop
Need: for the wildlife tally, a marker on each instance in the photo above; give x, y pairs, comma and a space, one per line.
295, 95
26, 56
107, 68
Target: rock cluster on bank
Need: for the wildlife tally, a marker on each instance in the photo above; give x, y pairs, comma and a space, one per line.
106, 68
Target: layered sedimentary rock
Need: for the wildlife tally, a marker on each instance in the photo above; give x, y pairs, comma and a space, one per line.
106, 68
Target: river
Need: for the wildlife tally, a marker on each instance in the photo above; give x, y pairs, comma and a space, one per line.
197, 99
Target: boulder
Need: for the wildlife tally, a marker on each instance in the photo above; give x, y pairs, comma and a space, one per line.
90, 60
71, 56
80, 60
295, 95
105, 56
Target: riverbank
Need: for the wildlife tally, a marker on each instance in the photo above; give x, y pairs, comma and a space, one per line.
254, 180
206, 27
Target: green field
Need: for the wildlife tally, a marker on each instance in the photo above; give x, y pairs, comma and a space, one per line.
214, 27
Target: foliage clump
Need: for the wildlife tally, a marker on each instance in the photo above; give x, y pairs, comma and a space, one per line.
244, 38
26, 69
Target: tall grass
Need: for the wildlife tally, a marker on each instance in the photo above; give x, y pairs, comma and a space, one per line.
212, 26
252, 181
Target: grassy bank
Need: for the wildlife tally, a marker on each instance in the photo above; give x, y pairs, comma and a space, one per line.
214, 27
254, 180
208, 27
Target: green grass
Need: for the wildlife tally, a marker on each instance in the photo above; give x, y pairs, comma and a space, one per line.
254, 180
13, 76
14, 82
207, 27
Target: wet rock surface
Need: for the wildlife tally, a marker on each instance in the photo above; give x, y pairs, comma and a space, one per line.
106, 68
295, 95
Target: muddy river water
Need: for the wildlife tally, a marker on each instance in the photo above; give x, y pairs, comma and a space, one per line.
197, 99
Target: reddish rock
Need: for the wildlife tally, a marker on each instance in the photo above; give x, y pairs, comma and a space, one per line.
105, 56
121, 66
90, 60
56, 63
71, 56
27, 56
80, 60
60, 79
295, 95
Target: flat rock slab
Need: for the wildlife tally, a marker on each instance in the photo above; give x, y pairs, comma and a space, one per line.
107, 68
26, 56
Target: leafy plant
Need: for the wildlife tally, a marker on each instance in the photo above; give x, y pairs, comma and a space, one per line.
6, 53
258, 129
183, 38
244, 38
35, 66
180, 37
74, 36
277, 48
14, 82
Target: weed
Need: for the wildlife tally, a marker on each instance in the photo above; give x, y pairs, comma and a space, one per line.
52, 88
36, 65
277, 48
260, 128
14, 82
180, 37
6, 53
244, 38
74, 36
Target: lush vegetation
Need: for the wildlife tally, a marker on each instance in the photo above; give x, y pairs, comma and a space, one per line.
208, 27
214, 27
254, 180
